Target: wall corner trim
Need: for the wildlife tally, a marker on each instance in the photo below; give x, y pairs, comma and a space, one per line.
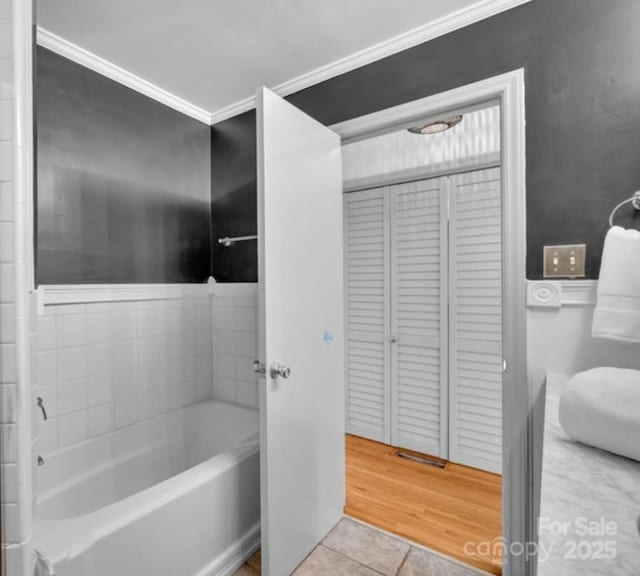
555, 294
89, 60
54, 294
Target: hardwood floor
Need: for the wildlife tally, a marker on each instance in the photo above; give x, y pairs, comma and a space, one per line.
441, 508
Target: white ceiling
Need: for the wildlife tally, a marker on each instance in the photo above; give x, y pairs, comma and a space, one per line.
214, 53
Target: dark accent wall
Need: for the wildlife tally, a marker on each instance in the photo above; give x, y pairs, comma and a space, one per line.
582, 63
233, 198
123, 183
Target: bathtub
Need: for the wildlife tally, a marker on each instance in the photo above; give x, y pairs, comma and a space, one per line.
177, 495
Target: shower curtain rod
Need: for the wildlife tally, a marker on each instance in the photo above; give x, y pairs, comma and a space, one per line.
226, 241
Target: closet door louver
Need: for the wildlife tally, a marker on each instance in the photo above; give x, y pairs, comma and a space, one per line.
366, 258
475, 309
418, 316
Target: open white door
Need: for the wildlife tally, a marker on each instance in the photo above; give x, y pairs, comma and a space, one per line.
302, 422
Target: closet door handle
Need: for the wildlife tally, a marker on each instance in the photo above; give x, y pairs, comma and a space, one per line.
394, 340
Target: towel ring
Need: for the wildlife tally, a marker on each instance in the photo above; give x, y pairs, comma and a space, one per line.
634, 201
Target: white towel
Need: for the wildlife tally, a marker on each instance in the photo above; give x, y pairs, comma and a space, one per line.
617, 313
600, 407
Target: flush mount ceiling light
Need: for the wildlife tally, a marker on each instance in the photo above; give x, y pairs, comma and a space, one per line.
437, 125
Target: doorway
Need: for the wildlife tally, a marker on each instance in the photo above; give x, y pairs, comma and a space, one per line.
503, 479
423, 235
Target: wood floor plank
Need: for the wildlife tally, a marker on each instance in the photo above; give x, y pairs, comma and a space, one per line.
441, 508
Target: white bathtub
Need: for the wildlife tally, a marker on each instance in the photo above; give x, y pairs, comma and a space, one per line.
175, 496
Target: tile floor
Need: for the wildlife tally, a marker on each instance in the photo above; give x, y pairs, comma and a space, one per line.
355, 549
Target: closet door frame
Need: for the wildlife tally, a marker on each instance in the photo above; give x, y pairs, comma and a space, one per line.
518, 467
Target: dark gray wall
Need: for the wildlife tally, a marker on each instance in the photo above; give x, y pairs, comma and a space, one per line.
582, 62
233, 198
123, 183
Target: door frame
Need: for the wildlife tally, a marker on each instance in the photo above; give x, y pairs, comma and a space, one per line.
518, 525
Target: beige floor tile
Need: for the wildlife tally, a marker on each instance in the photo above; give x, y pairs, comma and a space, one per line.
325, 562
246, 571
423, 563
370, 547
255, 561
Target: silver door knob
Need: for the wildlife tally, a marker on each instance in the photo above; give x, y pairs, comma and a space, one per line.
278, 370
259, 368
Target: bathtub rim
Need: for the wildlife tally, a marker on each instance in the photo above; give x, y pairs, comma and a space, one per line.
66, 538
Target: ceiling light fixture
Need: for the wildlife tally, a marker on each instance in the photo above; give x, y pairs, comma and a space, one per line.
437, 125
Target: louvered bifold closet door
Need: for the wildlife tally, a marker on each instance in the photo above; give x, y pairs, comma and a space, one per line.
367, 277
418, 316
475, 310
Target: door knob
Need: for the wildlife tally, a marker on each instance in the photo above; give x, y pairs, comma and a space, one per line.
278, 370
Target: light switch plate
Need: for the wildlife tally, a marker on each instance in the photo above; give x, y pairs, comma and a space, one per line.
564, 261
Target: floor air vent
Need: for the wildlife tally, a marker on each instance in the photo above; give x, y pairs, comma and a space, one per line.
422, 459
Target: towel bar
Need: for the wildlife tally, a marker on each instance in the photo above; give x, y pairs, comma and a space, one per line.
634, 201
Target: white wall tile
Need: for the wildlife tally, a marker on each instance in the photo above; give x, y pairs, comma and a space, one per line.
46, 367
46, 332
246, 319
47, 436
72, 396
8, 362
6, 202
110, 365
8, 324
71, 363
224, 318
70, 330
97, 328
123, 354
244, 369
247, 393
7, 153
151, 377
125, 382
246, 344
65, 309
7, 282
224, 365
72, 428
224, 388
98, 359
235, 347
10, 482
7, 403
149, 405
6, 106
9, 442
225, 341
101, 420
100, 389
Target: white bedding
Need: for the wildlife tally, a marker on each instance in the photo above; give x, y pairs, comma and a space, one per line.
601, 407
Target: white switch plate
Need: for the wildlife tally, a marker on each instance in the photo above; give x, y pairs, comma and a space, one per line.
566, 261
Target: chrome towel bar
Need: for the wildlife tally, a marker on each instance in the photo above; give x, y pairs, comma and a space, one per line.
634, 201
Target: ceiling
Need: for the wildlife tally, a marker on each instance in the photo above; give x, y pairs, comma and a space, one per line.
214, 53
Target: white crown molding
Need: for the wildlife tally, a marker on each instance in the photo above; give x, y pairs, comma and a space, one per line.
55, 294
90, 60
419, 35
559, 293
440, 27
